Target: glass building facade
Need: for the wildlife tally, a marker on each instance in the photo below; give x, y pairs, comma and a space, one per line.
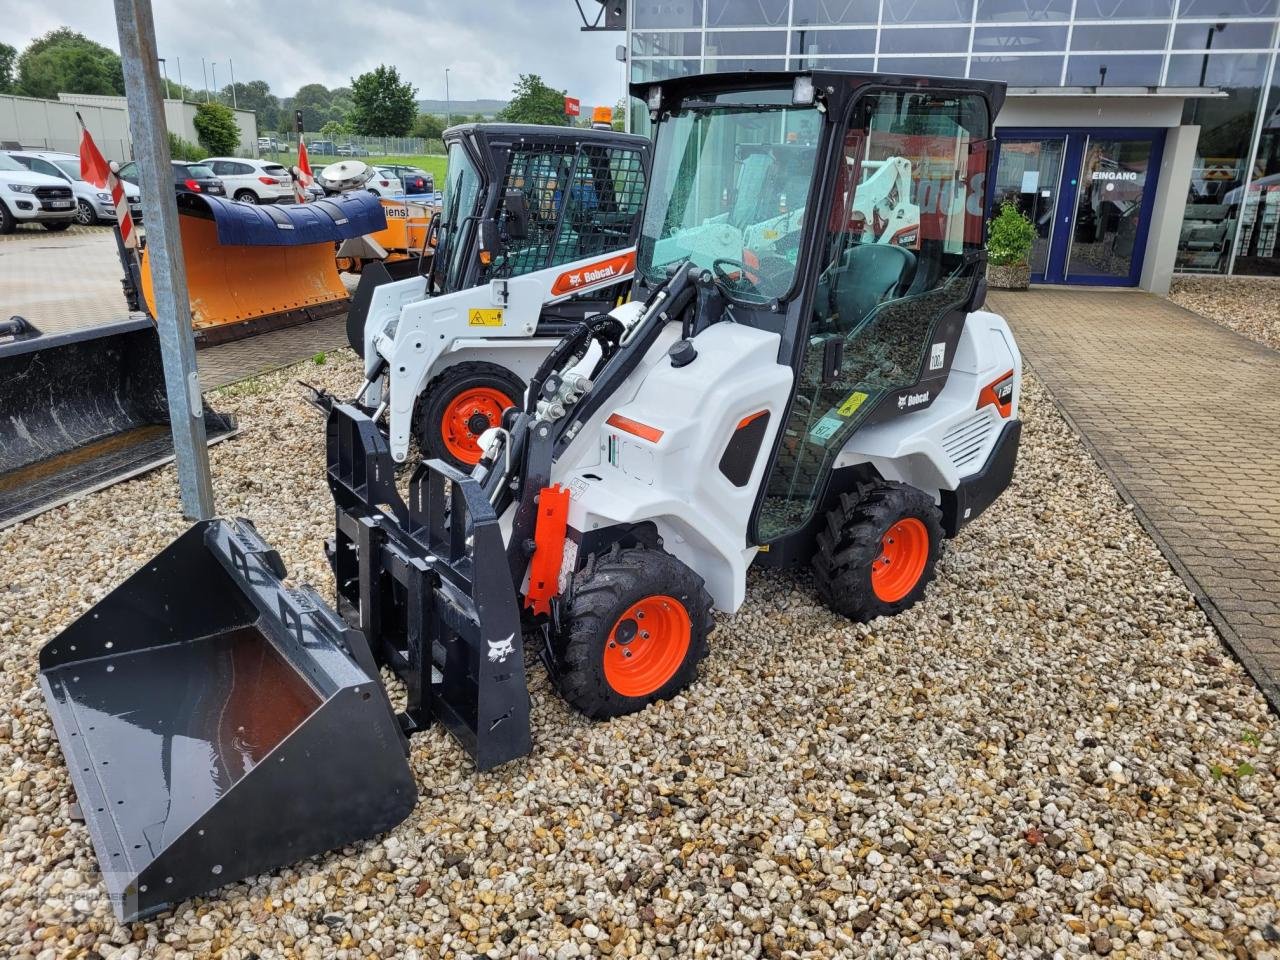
1232, 218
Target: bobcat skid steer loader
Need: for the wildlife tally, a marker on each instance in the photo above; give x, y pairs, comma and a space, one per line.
537, 229
803, 393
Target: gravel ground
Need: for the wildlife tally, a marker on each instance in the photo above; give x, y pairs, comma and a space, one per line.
1052, 755
1248, 305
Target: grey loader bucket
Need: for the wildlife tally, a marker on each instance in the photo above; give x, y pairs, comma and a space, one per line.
217, 724
80, 411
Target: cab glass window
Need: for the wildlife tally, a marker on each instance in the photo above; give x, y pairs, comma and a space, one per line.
903, 243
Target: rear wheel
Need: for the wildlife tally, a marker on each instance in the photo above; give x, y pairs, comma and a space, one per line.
57, 227
246, 196
459, 405
86, 216
634, 629
879, 550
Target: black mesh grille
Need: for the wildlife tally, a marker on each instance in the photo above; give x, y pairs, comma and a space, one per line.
582, 200
53, 193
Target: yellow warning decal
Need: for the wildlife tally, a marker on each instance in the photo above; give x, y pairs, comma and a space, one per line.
485, 318
764, 548
851, 405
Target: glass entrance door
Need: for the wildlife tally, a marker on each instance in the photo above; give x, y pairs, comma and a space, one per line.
1111, 206
1029, 174
1089, 195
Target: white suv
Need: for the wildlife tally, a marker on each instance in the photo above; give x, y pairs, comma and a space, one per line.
252, 181
93, 204
27, 197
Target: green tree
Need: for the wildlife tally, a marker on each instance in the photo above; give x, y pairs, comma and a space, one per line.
314, 100
428, 126
335, 128
385, 106
63, 61
8, 60
255, 95
216, 128
620, 115
532, 101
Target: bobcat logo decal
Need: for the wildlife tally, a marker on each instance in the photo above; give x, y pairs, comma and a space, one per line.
499, 650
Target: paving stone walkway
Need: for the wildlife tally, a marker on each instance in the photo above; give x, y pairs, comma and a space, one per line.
1184, 416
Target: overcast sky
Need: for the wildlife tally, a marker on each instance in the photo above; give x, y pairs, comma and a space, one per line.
485, 43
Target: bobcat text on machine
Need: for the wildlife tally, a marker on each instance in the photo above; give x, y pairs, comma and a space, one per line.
537, 230
783, 388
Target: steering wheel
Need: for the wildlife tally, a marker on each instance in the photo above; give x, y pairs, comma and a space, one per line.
770, 266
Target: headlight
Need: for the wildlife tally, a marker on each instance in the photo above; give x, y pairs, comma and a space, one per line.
802, 91
22, 188
655, 97
104, 196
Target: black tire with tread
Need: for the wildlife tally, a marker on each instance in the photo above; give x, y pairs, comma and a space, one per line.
850, 542
246, 196
86, 216
601, 592
440, 392
7, 221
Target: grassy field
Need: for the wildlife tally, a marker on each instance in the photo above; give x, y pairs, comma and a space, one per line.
432, 164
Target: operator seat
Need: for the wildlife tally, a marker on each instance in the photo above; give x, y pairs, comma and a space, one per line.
872, 273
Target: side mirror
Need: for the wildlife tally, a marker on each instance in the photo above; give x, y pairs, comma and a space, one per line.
516, 214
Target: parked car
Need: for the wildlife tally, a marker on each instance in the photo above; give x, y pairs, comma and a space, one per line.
27, 197
252, 181
322, 148
384, 183
272, 145
187, 177
93, 204
351, 150
413, 180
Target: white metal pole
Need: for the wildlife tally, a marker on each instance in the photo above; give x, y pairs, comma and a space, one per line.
164, 251
234, 104
204, 73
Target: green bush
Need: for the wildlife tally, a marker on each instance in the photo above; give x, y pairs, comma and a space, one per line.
180, 149
1010, 237
216, 128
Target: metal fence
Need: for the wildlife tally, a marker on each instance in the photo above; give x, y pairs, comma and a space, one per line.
110, 148
319, 145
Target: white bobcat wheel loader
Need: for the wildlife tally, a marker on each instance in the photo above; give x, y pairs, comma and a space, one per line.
537, 231
804, 394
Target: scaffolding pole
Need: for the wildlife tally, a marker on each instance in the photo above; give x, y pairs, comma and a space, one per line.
164, 251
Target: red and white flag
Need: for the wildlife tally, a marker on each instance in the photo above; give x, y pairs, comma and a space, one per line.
95, 169
302, 177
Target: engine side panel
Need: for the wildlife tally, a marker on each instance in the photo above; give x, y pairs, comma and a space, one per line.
657, 455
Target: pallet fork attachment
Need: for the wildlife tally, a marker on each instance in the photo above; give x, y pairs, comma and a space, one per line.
426, 581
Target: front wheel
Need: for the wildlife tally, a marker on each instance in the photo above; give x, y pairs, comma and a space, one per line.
86, 216
634, 629
461, 404
879, 551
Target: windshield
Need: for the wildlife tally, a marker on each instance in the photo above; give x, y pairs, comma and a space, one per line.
70, 167
729, 187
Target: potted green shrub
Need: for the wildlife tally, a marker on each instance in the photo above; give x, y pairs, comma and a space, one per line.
1009, 241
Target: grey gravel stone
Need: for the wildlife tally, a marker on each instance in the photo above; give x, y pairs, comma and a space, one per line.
933, 785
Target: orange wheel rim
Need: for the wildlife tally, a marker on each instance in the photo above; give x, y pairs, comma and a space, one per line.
647, 645
468, 415
904, 551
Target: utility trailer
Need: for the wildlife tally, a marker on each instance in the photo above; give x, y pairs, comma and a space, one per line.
785, 387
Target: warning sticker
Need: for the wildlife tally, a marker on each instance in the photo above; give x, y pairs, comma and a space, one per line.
851, 405
491, 317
